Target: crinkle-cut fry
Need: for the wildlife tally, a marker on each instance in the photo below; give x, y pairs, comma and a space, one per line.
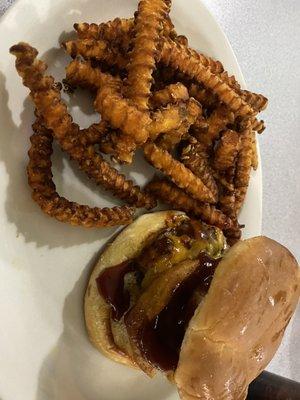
243, 168
178, 173
216, 122
257, 101
121, 31
96, 49
169, 140
256, 125
168, 118
120, 147
148, 25
226, 150
179, 200
119, 113
44, 192
186, 61
49, 105
222, 180
254, 162
173, 121
170, 94
94, 133
82, 74
227, 203
118, 31
195, 157
231, 81
205, 97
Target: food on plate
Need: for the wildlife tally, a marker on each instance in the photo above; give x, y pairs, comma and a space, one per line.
148, 26
178, 173
177, 199
154, 93
44, 192
49, 105
169, 294
226, 150
194, 156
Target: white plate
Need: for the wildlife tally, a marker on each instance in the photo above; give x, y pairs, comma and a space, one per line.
44, 265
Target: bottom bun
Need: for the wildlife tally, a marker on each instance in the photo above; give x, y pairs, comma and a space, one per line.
126, 246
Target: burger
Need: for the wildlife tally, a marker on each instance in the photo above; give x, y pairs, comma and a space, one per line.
168, 294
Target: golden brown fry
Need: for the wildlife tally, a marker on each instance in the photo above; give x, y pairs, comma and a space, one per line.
94, 133
257, 101
178, 173
117, 30
82, 74
181, 58
216, 122
170, 94
119, 113
254, 162
168, 118
204, 96
148, 26
195, 157
258, 126
243, 168
40, 179
120, 147
95, 49
231, 81
179, 200
226, 150
222, 180
170, 139
49, 105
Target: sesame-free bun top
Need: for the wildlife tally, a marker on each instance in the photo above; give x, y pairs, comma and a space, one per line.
236, 331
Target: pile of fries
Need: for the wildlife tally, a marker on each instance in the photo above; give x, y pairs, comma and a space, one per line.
193, 121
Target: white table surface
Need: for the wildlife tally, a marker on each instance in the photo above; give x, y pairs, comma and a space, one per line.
265, 37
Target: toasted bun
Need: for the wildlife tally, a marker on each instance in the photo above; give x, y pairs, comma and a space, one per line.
236, 331
127, 245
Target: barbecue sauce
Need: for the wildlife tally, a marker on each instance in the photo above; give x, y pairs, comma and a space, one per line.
160, 341
110, 284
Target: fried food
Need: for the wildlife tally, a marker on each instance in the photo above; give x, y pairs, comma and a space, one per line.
179, 57
148, 25
178, 173
92, 49
215, 123
257, 101
170, 139
170, 94
152, 91
254, 162
49, 105
179, 200
44, 192
226, 150
243, 168
195, 157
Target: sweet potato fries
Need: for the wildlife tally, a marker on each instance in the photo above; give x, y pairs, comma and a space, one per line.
193, 121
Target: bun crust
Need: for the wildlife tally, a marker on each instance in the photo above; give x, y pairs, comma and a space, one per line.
126, 246
236, 331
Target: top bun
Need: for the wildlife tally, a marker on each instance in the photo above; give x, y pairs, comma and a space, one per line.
236, 331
